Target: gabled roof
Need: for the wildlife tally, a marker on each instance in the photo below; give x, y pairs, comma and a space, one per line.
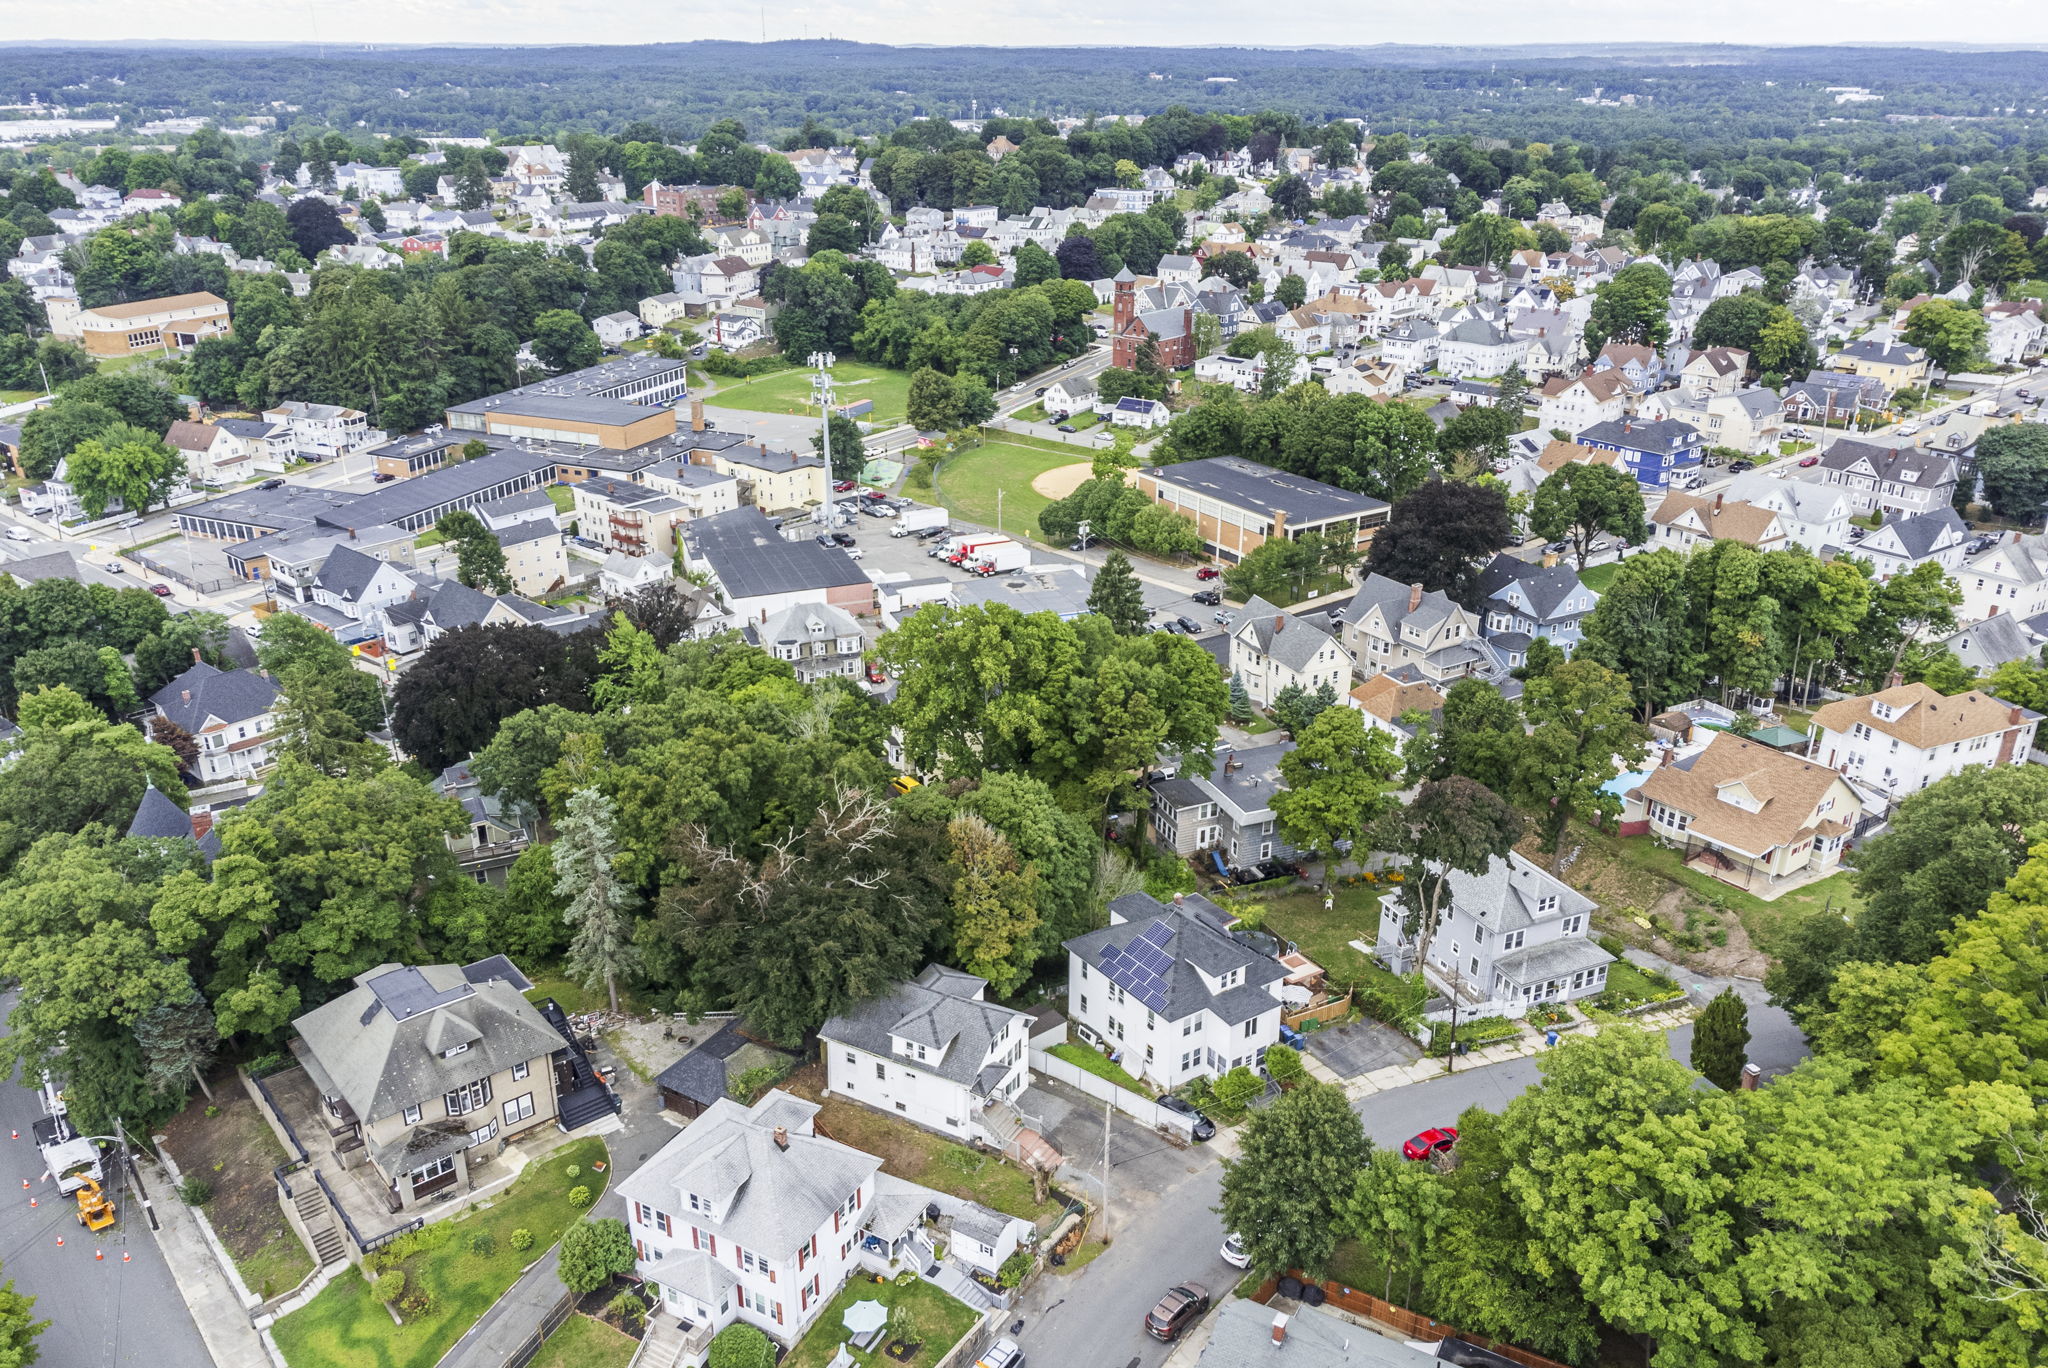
1923, 718
1919, 535
1788, 788
380, 1043
1291, 641
941, 1009
189, 436
1721, 518
158, 817
1545, 589
1904, 464
227, 695
1509, 894
1153, 951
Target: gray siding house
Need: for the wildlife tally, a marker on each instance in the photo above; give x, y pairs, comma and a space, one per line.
1512, 935
1228, 810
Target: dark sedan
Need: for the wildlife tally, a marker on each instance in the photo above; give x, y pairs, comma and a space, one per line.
1181, 1307
1205, 1129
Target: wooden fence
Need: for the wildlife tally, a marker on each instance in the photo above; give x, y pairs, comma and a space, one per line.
549, 1323
1336, 1009
1409, 1324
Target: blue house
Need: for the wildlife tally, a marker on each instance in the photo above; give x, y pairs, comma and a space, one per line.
1664, 454
1522, 602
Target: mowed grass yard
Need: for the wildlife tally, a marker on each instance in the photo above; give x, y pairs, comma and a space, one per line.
790, 391
584, 1342
346, 1327
968, 483
936, 1323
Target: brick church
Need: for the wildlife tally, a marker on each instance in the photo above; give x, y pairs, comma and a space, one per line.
1172, 329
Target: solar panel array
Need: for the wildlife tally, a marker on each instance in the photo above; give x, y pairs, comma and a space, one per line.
1141, 967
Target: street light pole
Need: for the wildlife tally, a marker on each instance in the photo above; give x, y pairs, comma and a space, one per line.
821, 393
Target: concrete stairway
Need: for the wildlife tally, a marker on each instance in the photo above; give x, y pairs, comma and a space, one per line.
317, 1217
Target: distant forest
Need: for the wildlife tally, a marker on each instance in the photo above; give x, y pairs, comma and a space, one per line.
1688, 95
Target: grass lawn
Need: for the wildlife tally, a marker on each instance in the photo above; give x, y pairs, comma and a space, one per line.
1325, 936
1083, 1255
19, 396
1099, 1064
790, 391
574, 998
1031, 413
585, 1342
346, 1327
969, 483
563, 498
427, 539
936, 1323
1258, 725
923, 1156
1598, 577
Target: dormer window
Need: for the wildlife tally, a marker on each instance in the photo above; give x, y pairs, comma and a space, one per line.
454, 1050
1546, 906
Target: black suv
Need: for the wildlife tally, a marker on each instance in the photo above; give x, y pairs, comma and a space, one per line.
1205, 1129
1210, 597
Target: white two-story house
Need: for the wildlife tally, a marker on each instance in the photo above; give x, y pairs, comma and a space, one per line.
1269, 650
2009, 578
1903, 544
1172, 991
1810, 515
932, 1051
1513, 934
1575, 403
1899, 740
231, 714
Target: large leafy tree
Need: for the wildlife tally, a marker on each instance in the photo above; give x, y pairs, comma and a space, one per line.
832, 914
1581, 723
1450, 826
1441, 537
19, 1329
479, 559
1640, 629
1297, 1161
1577, 502
71, 767
123, 466
1337, 781
1631, 306
994, 930
291, 646
2013, 461
1951, 334
451, 701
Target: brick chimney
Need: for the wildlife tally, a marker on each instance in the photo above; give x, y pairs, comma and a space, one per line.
1279, 623
781, 1137
1280, 1330
696, 415
1717, 503
184, 695
195, 661
1414, 597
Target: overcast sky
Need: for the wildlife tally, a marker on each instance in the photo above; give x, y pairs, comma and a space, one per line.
1048, 21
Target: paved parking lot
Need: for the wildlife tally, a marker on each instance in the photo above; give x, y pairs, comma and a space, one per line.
1142, 1164
1361, 1047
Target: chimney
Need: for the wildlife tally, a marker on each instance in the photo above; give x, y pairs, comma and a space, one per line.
2013, 712
1279, 623
1280, 1330
1414, 597
1717, 504
1894, 680
1177, 898
782, 1137
1751, 1076
185, 695
195, 661
696, 415
202, 822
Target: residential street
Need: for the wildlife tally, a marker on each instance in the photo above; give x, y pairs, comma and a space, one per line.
101, 1313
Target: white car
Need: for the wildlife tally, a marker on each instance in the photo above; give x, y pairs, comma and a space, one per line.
1233, 1253
20, 534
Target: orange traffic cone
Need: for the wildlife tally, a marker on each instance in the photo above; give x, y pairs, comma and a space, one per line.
14, 1135
124, 1256
60, 1242
99, 1256
31, 1204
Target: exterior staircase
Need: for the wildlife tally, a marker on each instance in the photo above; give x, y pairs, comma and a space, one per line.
1002, 1123
317, 1217
962, 1288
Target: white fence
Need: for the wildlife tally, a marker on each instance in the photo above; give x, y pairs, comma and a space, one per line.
1139, 1108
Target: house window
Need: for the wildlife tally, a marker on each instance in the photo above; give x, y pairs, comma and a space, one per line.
1512, 940
1545, 906
484, 1134
455, 1050
1084, 1004
1573, 924
521, 1069
427, 1173
1251, 1028
882, 1072
468, 1098
518, 1109
411, 1116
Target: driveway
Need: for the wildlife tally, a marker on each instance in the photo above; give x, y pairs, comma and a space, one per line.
111, 1312
1361, 1047
1163, 1231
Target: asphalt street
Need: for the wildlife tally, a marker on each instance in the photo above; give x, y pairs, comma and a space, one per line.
102, 1314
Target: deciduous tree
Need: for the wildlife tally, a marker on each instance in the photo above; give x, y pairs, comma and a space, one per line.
1284, 1195
1336, 781
1577, 502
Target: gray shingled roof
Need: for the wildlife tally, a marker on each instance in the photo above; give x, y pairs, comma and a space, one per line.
1551, 959
1545, 588
1289, 640
203, 691
380, 1043
750, 558
939, 1009
765, 1197
1241, 1333
1505, 896
157, 816
1189, 941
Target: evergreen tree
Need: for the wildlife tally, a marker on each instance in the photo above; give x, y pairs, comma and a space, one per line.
178, 1039
1240, 699
1118, 597
472, 186
1720, 1040
581, 181
599, 901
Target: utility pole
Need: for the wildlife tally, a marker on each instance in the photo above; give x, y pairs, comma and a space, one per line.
821, 395
1105, 1170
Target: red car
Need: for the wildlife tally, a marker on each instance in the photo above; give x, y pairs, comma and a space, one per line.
876, 674
160, 590
1809, 461
1181, 1307
1207, 572
843, 487
1435, 1140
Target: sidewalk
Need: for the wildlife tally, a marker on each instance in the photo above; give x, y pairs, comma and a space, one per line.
216, 1310
1521, 1047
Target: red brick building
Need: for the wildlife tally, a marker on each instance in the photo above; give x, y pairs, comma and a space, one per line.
1172, 329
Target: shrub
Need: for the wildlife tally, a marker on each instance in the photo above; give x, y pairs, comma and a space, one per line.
573, 1170
627, 1310
195, 1192
389, 1287
740, 1346
522, 1239
1611, 943
579, 1196
1014, 1268
1474, 1033
1236, 1090
483, 1244
593, 1252
1283, 1063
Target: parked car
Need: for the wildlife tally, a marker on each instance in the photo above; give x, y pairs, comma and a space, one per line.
382, 477
1003, 1353
1233, 1252
1808, 461
114, 567
1181, 1307
20, 534
876, 674
842, 538
160, 590
872, 494
1737, 467
272, 484
1190, 626
824, 539
1208, 598
1207, 572
844, 487
1205, 1129
1557, 548
1224, 618
1436, 1140
1068, 427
